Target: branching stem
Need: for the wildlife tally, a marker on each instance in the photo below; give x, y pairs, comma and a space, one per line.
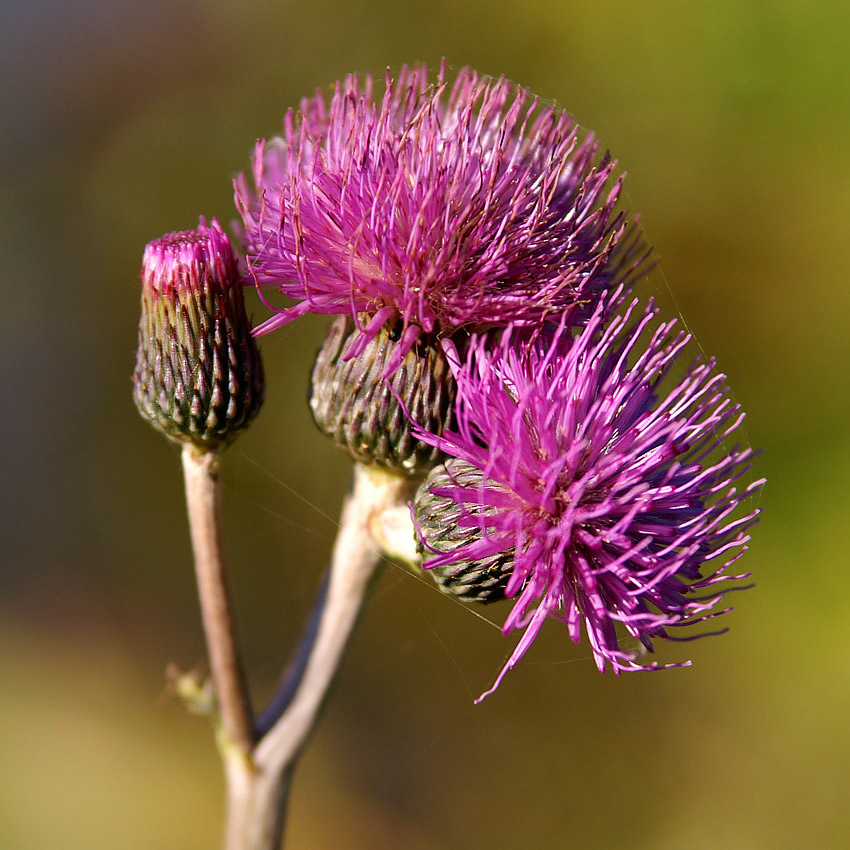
258, 773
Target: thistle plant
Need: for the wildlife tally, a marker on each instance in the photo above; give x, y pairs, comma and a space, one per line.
199, 380
522, 428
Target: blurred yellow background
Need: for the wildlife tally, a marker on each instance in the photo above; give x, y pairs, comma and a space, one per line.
125, 120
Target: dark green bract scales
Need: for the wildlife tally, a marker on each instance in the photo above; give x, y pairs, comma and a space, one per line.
445, 525
357, 405
198, 375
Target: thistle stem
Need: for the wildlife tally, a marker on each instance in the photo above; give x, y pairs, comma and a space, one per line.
257, 791
203, 499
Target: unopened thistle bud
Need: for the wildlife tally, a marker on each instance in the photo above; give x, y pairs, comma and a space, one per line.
198, 375
369, 413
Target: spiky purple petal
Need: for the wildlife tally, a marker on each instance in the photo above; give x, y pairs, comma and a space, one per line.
437, 206
613, 491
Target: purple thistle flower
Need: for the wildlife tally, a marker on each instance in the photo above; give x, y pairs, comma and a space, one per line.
613, 499
433, 208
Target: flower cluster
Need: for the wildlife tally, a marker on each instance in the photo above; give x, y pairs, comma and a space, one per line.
568, 469
435, 208
610, 495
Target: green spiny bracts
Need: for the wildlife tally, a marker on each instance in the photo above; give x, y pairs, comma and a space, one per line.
357, 405
198, 375
444, 525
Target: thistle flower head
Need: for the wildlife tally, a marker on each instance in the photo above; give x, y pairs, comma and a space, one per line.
613, 496
198, 375
435, 207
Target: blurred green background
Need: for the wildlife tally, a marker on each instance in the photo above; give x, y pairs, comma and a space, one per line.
125, 120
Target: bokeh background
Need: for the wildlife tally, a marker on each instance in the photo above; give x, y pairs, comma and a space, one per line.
123, 120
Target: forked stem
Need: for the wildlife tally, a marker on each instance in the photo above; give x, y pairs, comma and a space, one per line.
258, 788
